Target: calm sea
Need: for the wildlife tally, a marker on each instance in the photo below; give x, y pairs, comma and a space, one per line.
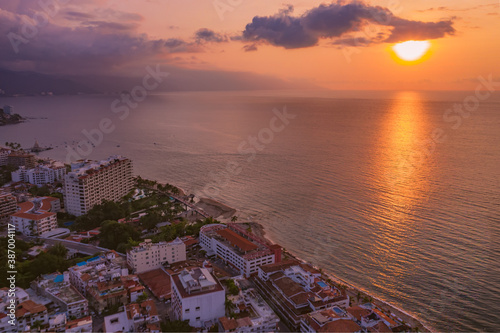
377, 188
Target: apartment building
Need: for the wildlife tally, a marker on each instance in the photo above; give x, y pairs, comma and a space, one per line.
20, 158
40, 175
57, 288
36, 217
239, 248
8, 206
29, 313
148, 255
198, 297
90, 183
4, 153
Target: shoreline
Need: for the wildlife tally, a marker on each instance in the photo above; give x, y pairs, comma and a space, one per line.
260, 231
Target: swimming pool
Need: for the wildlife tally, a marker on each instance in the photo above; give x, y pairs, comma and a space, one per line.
322, 284
338, 310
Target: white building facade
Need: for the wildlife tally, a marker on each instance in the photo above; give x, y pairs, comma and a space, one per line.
41, 175
148, 255
90, 183
37, 217
198, 297
243, 253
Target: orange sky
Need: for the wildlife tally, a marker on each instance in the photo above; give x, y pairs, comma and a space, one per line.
454, 62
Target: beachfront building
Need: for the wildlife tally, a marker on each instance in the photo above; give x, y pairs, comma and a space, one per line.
8, 206
241, 249
198, 297
148, 255
296, 289
36, 217
40, 175
90, 183
57, 288
20, 158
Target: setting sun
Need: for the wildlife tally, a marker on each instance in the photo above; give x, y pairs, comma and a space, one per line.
411, 50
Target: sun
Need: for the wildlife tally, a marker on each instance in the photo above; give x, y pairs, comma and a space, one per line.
411, 50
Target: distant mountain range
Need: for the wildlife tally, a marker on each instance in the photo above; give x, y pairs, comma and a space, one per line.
32, 83
180, 79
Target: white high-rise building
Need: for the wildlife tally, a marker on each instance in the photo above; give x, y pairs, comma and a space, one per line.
197, 296
90, 183
148, 256
40, 175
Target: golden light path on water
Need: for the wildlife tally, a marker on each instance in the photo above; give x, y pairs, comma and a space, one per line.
403, 173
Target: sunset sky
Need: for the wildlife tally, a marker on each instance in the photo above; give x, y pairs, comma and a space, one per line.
333, 45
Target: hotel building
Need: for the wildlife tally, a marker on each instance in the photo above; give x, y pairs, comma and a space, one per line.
239, 248
90, 183
148, 256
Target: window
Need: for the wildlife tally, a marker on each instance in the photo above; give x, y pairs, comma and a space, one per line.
197, 318
187, 311
197, 308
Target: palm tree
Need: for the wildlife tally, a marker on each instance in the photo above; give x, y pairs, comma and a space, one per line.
234, 218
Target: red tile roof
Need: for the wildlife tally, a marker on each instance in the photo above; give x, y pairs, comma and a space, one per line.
237, 240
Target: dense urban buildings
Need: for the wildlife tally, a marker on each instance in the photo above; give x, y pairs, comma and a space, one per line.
57, 288
296, 289
90, 183
198, 297
236, 246
148, 255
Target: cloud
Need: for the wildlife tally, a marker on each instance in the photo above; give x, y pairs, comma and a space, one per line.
207, 35
335, 21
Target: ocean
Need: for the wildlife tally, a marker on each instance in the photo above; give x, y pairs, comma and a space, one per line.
394, 192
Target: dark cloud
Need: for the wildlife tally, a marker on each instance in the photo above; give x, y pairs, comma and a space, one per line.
335, 21
77, 16
250, 47
174, 43
207, 35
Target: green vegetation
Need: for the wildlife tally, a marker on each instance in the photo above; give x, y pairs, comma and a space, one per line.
43, 191
28, 270
182, 228
116, 235
142, 298
176, 326
5, 175
232, 288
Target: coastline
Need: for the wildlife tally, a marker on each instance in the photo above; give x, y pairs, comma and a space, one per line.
259, 230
